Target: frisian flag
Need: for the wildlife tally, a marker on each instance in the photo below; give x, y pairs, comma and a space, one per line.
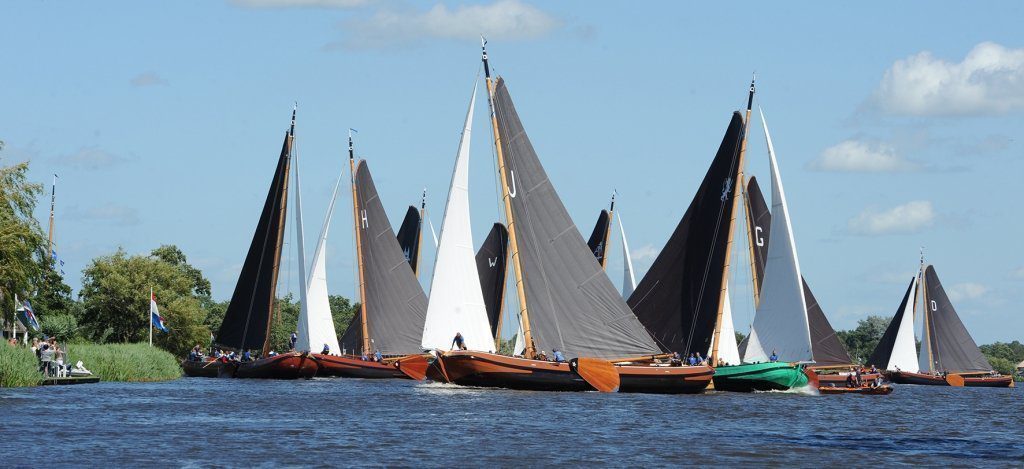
155, 318
27, 316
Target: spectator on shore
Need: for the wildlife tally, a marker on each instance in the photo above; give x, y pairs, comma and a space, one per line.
35, 346
45, 359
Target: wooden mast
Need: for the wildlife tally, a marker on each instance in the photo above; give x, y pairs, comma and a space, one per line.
359, 247
419, 232
927, 339
280, 233
53, 203
607, 233
506, 198
732, 225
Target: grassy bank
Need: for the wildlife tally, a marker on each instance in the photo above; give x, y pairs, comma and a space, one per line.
126, 362
18, 367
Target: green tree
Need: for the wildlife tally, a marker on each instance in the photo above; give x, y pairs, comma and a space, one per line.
115, 300
22, 243
342, 310
170, 254
860, 342
53, 296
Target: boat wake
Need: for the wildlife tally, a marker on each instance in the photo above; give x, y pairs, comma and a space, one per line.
806, 390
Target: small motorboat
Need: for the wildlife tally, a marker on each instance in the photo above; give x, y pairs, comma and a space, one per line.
882, 390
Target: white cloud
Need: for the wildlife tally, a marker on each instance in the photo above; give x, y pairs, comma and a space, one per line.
299, 3
1019, 273
504, 19
990, 80
966, 291
910, 217
89, 158
109, 213
860, 156
644, 253
148, 79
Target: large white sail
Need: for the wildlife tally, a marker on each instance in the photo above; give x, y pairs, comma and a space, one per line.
300, 245
628, 278
904, 349
781, 318
316, 325
456, 303
728, 351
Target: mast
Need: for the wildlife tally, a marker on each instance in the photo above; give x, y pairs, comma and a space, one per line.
724, 289
359, 246
419, 231
505, 196
926, 340
53, 203
283, 214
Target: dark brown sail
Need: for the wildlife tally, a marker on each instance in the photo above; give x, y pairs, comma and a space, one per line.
409, 236
395, 304
678, 298
825, 344
953, 349
247, 320
599, 237
883, 351
491, 266
572, 304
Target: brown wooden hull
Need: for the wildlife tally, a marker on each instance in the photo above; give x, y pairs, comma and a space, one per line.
664, 379
840, 379
204, 369
989, 382
490, 370
290, 365
350, 366
866, 390
906, 377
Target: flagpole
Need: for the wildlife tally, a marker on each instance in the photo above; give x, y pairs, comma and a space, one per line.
150, 316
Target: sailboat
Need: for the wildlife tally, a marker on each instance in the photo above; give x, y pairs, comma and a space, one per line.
598, 241
247, 321
392, 303
410, 233
781, 322
829, 352
565, 301
949, 356
491, 266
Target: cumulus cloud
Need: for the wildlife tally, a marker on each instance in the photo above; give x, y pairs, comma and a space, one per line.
109, 214
298, 3
89, 158
910, 217
989, 80
861, 156
504, 19
645, 253
966, 291
148, 79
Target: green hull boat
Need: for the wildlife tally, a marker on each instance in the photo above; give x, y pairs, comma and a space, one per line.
760, 377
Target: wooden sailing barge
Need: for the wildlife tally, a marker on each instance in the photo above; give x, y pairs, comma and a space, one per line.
948, 356
392, 303
565, 301
247, 321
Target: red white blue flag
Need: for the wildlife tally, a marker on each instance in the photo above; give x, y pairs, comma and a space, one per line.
157, 319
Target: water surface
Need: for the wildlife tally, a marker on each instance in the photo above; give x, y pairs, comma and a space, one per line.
342, 422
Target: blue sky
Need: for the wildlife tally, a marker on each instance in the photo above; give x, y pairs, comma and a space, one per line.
896, 125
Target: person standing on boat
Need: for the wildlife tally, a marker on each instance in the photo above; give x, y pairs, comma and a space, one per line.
295, 338
458, 341
860, 380
774, 358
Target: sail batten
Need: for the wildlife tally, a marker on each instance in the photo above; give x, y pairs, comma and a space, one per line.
781, 319
570, 308
456, 304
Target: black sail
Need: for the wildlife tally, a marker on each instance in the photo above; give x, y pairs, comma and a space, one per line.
953, 349
825, 344
491, 267
395, 305
883, 351
678, 298
572, 304
247, 319
409, 236
596, 243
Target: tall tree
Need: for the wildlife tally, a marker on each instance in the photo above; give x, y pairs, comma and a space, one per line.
861, 341
22, 243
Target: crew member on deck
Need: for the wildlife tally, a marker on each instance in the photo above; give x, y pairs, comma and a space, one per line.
774, 358
295, 338
699, 359
377, 357
326, 350
558, 356
458, 341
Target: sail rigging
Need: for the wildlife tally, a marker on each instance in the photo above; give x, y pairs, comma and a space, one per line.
491, 265
246, 324
393, 305
678, 299
896, 350
456, 303
780, 323
570, 304
828, 349
952, 348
